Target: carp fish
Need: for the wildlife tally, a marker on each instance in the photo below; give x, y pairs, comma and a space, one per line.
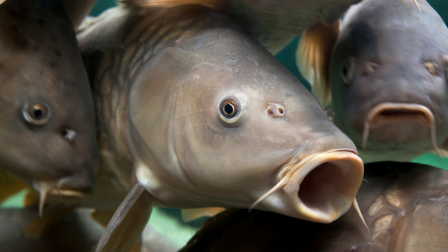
201, 115
404, 205
273, 23
388, 76
47, 131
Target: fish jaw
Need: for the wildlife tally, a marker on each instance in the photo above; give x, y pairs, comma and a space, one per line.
400, 123
323, 187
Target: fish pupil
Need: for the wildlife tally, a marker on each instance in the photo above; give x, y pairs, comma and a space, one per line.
38, 113
345, 70
228, 109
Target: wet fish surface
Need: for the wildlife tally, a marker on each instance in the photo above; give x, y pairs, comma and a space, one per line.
205, 116
47, 131
404, 205
388, 79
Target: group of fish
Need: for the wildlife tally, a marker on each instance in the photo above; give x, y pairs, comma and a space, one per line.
181, 103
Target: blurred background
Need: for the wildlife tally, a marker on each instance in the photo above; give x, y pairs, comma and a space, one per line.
169, 221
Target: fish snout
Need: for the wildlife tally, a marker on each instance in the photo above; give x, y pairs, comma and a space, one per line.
399, 123
323, 187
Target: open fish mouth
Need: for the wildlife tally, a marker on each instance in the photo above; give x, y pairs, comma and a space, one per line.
323, 187
398, 122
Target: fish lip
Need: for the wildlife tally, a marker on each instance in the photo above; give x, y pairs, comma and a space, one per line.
407, 109
412, 111
334, 203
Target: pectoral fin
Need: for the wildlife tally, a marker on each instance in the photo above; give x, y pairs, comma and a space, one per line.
196, 213
313, 57
126, 226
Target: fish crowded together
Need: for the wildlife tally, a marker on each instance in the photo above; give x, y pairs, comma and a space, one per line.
181, 103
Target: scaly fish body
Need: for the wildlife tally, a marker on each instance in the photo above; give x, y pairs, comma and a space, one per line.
160, 91
404, 206
47, 131
207, 117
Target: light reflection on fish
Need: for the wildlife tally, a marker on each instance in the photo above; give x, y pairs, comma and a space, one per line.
207, 117
47, 131
388, 75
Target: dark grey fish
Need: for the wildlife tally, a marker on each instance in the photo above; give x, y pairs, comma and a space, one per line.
388, 76
404, 206
47, 131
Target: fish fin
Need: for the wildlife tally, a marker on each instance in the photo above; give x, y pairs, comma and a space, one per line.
102, 217
220, 5
35, 229
10, 185
313, 57
126, 226
31, 198
444, 150
196, 213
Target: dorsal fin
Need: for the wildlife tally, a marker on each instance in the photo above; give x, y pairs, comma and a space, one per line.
213, 4
313, 57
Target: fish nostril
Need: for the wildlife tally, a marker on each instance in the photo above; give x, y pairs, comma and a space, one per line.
69, 135
275, 110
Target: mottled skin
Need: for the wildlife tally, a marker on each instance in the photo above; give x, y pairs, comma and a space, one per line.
398, 56
160, 75
40, 65
404, 204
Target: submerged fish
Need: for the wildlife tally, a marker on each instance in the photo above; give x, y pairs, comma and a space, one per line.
404, 205
47, 131
388, 76
68, 230
273, 23
207, 117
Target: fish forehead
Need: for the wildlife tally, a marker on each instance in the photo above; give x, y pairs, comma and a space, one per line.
385, 27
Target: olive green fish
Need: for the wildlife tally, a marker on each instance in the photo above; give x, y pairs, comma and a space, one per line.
47, 131
388, 78
404, 206
205, 116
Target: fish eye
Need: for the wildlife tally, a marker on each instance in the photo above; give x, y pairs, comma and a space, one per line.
348, 70
36, 113
229, 108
